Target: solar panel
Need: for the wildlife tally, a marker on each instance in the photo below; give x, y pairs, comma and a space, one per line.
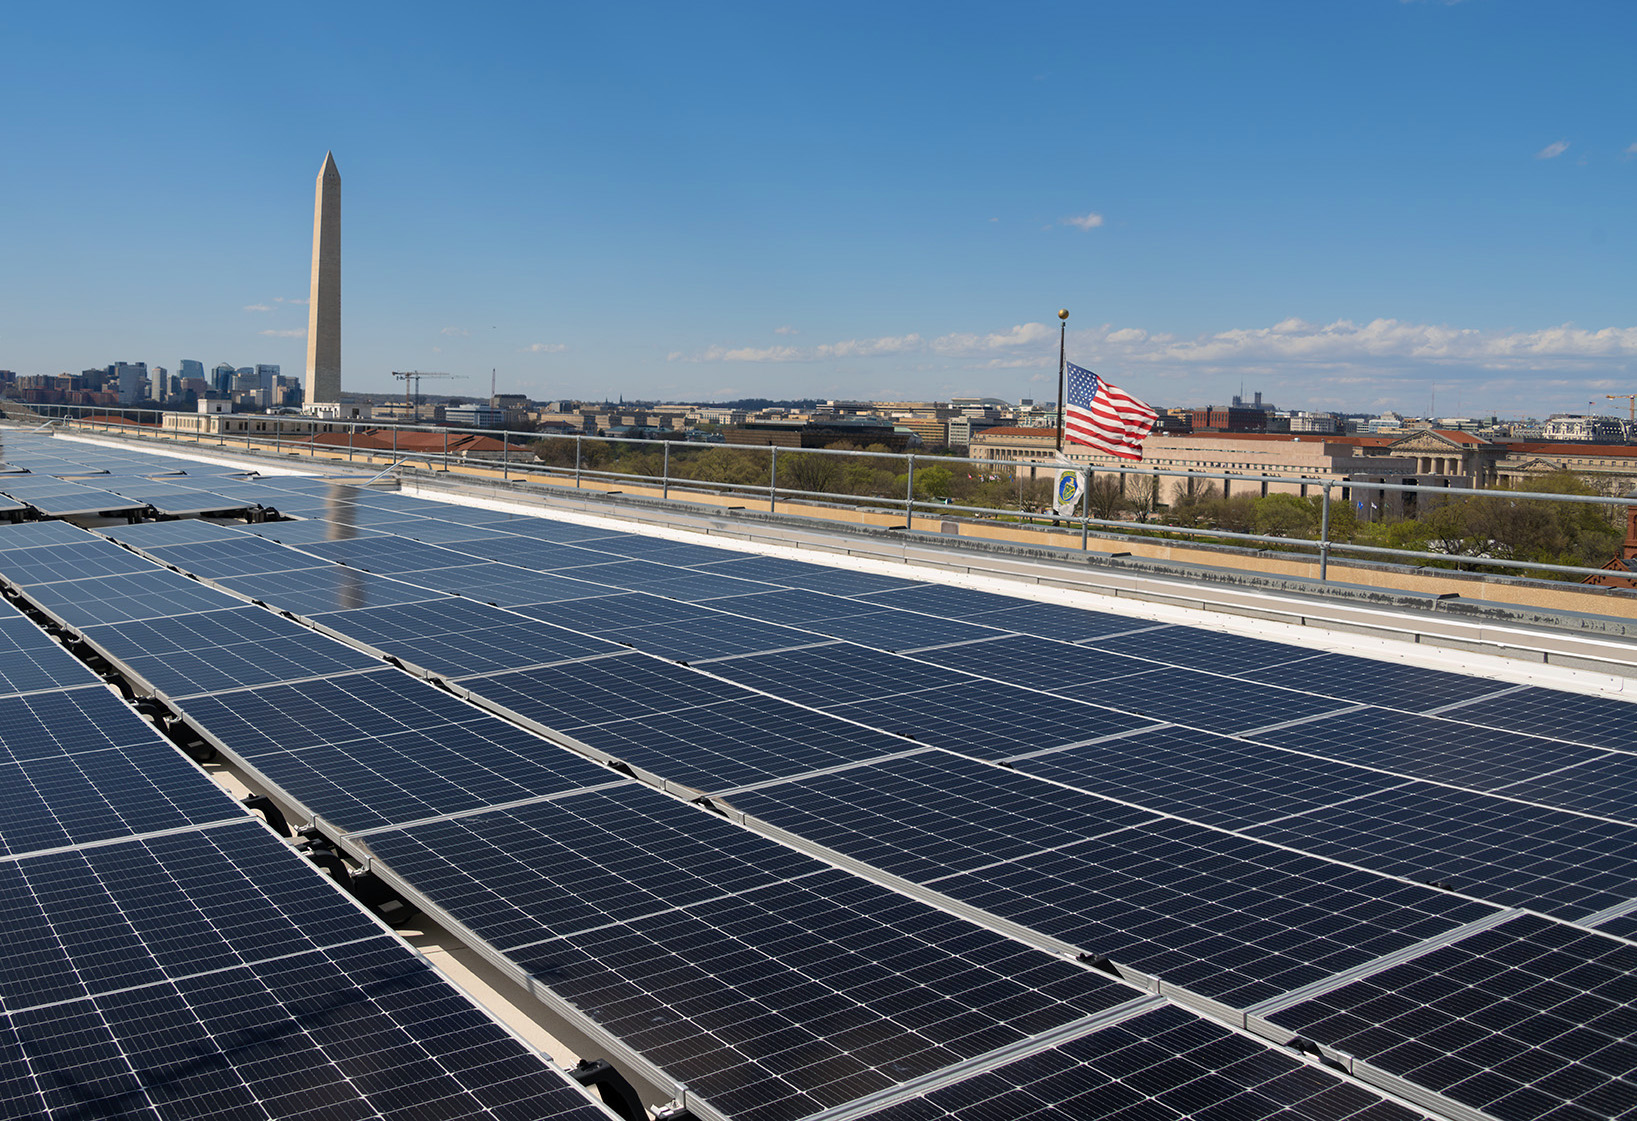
616, 609
67, 722
987, 719
1197, 648
769, 1001
832, 674
31, 660
1430, 748
183, 531
316, 590
800, 574
710, 637
1166, 1063
684, 553
531, 552
312, 529
1574, 717
388, 556
1037, 663
692, 585
898, 630
31, 535
1514, 854
81, 560
713, 747
1515, 1020
1207, 777
580, 694
112, 599
792, 606
1603, 784
1365, 680
229, 649
1233, 919
1051, 620
503, 584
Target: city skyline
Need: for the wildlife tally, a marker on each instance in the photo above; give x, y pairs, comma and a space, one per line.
1348, 210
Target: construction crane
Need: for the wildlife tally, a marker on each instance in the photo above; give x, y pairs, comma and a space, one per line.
412, 378
1631, 403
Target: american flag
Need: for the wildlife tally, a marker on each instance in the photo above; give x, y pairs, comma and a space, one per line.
1103, 416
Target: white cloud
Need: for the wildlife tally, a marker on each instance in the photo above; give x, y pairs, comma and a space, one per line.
257, 307
291, 333
455, 332
967, 345
786, 330
289, 300
1085, 221
1631, 149
869, 348
1552, 151
546, 348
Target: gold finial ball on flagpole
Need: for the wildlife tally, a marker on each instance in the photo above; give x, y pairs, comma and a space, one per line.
1062, 313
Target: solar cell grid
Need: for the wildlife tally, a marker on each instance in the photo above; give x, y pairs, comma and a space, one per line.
241, 556
792, 606
30, 535
1574, 717
214, 651
1621, 926
1231, 918
313, 591
97, 795
112, 599
1365, 680
501, 644
1515, 1020
332, 710
1428, 747
640, 547
579, 694
309, 529
389, 556
582, 861
30, 660
736, 742
617, 609
185, 531
1036, 663
1513, 854
690, 585
898, 630
82, 560
1205, 777
65, 722
987, 719
457, 535
394, 777
833, 673
1605, 785
1197, 648
710, 637
791, 998
801, 574
1051, 620
1166, 1063
532, 553
888, 813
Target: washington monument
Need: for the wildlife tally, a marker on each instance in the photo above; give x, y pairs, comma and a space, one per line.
324, 301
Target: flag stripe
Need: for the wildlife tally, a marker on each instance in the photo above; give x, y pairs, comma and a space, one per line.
1105, 417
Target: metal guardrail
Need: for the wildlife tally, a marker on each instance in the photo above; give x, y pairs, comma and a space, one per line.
667, 480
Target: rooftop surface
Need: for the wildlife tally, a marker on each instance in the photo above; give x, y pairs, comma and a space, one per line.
794, 834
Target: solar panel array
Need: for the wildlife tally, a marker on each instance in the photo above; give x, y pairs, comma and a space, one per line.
167, 956
934, 799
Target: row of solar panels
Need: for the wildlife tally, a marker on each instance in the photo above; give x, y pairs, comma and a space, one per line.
167, 956
385, 511
1170, 898
774, 983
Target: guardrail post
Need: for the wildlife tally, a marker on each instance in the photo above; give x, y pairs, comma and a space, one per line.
665, 473
773, 481
505, 455
395, 443
352, 432
446, 449
909, 494
1324, 535
579, 442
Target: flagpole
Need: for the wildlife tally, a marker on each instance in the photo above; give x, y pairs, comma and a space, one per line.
1062, 367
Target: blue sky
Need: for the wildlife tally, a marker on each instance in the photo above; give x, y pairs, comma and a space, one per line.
1351, 204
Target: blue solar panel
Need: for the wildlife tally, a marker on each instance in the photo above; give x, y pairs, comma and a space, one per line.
1389, 684
1197, 648
800, 574
316, 590
1574, 717
112, 599
579, 694
30, 660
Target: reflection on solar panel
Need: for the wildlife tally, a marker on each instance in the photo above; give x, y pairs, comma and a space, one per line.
31, 535
1512, 1020
1389, 684
81, 560
1162, 1064
1230, 918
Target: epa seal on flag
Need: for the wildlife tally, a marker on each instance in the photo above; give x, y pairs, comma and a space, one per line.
1066, 491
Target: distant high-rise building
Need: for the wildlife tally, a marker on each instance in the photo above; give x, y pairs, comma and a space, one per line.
221, 379
267, 377
130, 377
324, 298
190, 368
161, 383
